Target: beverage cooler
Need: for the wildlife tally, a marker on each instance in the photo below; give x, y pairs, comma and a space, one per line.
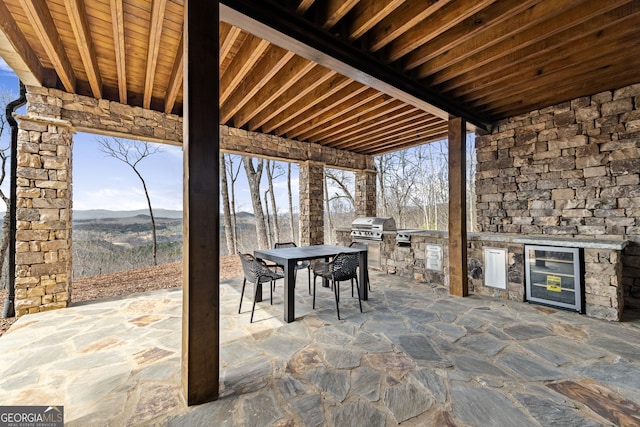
554, 276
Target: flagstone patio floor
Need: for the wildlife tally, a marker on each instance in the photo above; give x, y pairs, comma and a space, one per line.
416, 356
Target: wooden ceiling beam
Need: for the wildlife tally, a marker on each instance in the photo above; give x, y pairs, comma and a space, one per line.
521, 33
343, 108
360, 123
383, 122
538, 62
40, 18
270, 21
261, 107
397, 127
155, 34
590, 70
248, 55
541, 52
228, 36
482, 21
335, 10
117, 19
271, 63
316, 85
433, 137
410, 13
78, 19
334, 92
330, 120
17, 52
368, 13
176, 79
303, 6
440, 21
408, 138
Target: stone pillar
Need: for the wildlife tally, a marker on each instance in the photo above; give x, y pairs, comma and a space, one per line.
366, 202
43, 235
311, 179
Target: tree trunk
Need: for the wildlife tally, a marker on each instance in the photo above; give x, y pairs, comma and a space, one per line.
253, 177
268, 217
293, 234
234, 220
328, 210
224, 189
276, 228
153, 219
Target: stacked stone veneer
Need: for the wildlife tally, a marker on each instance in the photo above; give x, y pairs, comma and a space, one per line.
571, 169
43, 235
311, 181
365, 194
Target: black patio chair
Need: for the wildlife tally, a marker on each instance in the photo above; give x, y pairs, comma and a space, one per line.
361, 245
300, 265
343, 267
257, 272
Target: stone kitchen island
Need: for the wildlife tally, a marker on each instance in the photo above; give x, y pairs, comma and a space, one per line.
424, 259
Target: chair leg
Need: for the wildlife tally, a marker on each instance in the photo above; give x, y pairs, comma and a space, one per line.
336, 287
244, 282
314, 292
255, 297
271, 292
359, 299
309, 274
351, 288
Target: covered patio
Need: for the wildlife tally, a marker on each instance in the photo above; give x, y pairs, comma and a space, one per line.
417, 356
549, 87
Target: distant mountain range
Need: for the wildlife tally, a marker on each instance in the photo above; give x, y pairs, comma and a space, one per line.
104, 213
81, 215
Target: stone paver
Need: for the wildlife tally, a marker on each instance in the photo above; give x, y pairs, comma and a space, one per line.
416, 356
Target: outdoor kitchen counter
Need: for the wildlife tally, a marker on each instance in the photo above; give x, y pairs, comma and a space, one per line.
563, 241
603, 263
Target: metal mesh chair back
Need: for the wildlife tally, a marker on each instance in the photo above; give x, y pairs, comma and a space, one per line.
344, 266
256, 271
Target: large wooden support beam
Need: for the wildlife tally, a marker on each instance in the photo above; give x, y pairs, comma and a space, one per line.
201, 297
458, 281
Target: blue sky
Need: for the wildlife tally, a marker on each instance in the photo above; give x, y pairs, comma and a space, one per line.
100, 182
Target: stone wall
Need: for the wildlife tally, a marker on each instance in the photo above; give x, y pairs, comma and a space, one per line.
91, 115
569, 169
43, 210
602, 269
311, 182
365, 194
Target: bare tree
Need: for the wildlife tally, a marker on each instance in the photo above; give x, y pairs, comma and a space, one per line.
254, 175
274, 171
5, 98
132, 153
233, 175
268, 216
293, 234
224, 189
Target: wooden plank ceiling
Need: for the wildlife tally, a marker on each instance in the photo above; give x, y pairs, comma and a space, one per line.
494, 58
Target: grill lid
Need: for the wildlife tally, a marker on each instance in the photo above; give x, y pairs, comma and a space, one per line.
374, 223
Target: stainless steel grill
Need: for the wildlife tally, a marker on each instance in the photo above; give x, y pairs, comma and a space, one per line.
371, 228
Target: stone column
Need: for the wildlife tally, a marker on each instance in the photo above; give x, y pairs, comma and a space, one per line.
311, 179
43, 210
366, 193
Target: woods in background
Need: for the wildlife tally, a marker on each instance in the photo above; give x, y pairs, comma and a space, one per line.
412, 188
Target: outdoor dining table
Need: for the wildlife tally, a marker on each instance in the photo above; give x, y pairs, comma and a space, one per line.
288, 258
